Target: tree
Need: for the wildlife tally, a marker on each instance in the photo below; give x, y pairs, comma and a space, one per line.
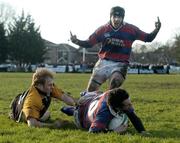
7, 13
3, 44
176, 48
26, 44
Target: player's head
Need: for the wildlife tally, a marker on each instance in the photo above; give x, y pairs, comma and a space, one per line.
117, 11
43, 79
117, 16
116, 99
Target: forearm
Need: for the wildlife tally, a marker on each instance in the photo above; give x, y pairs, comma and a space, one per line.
151, 36
43, 124
135, 120
69, 100
84, 44
35, 123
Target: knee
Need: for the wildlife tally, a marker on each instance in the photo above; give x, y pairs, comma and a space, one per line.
116, 81
93, 86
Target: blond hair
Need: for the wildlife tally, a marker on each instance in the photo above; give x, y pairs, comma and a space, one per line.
40, 76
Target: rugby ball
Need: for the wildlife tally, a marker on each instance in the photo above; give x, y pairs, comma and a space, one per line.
117, 121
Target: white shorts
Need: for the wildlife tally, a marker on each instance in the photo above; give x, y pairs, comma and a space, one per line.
105, 68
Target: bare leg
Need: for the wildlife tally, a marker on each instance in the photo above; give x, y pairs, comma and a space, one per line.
93, 85
116, 80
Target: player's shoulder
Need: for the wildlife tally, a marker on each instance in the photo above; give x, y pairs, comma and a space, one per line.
33, 93
103, 27
129, 25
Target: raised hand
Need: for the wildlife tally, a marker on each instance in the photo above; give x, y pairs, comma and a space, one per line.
158, 24
73, 38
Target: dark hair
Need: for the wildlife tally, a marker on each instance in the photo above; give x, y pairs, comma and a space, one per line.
117, 10
116, 97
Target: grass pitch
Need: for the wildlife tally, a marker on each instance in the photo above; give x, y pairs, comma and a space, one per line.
156, 99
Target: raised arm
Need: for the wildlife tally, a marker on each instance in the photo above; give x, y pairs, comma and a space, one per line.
153, 34
81, 43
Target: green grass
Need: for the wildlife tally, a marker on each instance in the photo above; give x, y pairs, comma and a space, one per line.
156, 99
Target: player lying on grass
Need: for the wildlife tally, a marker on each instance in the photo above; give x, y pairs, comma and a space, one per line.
36, 103
96, 110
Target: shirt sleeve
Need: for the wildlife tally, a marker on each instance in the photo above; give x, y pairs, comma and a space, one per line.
146, 37
96, 37
140, 35
32, 106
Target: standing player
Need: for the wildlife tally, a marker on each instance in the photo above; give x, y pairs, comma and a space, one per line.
116, 38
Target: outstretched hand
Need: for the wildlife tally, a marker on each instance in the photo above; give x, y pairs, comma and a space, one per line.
73, 38
59, 123
158, 24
